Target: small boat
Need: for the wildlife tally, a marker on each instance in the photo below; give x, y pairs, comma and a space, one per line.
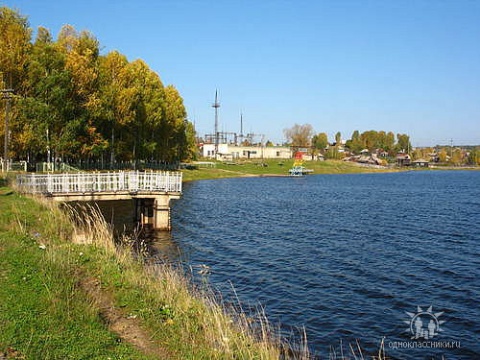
299, 171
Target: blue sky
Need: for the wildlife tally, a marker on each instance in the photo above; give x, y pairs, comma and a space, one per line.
407, 66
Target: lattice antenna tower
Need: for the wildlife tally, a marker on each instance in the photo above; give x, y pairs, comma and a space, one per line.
216, 105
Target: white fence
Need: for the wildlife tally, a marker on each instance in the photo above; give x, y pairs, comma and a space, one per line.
132, 181
13, 166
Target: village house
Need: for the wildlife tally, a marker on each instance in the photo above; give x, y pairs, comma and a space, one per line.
230, 152
403, 159
421, 163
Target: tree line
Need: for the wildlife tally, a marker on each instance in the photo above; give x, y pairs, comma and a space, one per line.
372, 140
73, 103
304, 135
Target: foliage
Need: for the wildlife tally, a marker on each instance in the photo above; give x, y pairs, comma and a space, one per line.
77, 104
355, 144
333, 153
422, 153
15, 45
320, 141
372, 140
299, 135
474, 156
457, 157
338, 138
403, 143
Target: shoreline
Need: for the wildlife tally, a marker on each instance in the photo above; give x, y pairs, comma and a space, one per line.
273, 168
327, 167
96, 299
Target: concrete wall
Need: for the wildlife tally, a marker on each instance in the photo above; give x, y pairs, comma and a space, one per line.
232, 152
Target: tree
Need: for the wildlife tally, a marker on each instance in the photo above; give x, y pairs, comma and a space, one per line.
355, 143
369, 140
442, 155
15, 36
47, 100
77, 104
421, 153
403, 143
299, 135
457, 157
474, 157
191, 148
338, 138
320, 142
81, 53
174, 140
115, 109
333, 153
14, 47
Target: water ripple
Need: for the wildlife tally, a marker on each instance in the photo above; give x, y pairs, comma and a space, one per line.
346, 256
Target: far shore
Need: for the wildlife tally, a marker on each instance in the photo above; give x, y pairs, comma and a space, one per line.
274, 168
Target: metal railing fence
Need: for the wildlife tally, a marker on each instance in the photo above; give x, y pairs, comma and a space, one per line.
83, 182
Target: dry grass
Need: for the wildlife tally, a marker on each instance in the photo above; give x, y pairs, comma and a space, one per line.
195, 318
159, 301
188, 321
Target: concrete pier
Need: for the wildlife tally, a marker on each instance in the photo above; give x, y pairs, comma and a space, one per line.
154, 211
151, 191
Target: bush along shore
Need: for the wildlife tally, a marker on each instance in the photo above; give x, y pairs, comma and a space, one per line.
68, 292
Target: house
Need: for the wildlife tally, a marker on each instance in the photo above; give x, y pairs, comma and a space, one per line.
421, 163
403, 159
231, 152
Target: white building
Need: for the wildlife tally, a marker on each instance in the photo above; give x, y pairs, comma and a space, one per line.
232, 152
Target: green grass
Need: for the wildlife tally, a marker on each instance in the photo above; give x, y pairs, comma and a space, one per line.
64, 300
43, 314
61, 300
273, 168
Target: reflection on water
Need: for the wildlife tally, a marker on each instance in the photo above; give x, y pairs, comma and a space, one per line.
163, 247
120, 214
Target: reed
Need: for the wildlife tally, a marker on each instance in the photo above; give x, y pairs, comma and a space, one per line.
43, 311
189, 322
68, 289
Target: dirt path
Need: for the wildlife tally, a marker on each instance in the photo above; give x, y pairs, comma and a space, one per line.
127, 328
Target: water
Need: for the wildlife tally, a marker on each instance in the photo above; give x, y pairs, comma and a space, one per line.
345, 256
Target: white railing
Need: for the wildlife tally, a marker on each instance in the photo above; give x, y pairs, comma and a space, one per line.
83, 182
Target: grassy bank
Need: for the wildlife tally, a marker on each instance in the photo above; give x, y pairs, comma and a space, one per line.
68, 292
61, 299
274, 168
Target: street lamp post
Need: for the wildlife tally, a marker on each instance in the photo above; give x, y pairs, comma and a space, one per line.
7, 96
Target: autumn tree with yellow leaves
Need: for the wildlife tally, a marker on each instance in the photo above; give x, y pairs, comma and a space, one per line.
76, 104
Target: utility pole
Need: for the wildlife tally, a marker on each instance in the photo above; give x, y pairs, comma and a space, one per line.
7, 96
241, 125
216, 105
48, 152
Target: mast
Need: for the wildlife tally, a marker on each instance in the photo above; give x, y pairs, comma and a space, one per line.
216, 105
241, 127
241, 124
